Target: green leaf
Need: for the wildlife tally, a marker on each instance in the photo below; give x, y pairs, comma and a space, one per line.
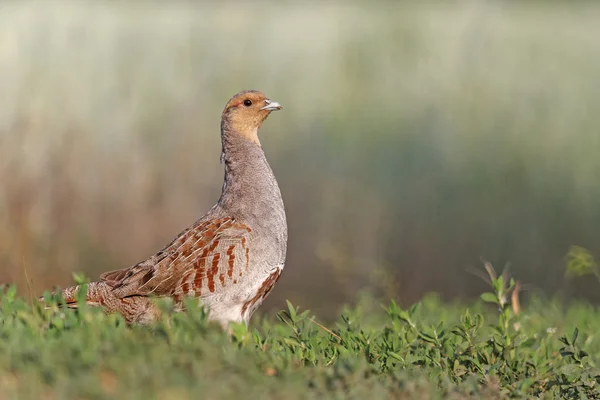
413, 309
498, 284
580, 262
291, 310
403, 315
489, 298
396, 356
528, 342
11, 293
428, 338
575, 335
80, 278
570, 370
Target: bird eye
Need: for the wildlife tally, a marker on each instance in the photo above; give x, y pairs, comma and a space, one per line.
247, 103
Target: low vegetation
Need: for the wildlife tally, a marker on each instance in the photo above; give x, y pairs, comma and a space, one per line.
432, 350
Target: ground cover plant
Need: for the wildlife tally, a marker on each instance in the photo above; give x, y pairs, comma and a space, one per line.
416, 138
431, 350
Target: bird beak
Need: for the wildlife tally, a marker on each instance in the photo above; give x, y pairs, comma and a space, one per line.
271, 105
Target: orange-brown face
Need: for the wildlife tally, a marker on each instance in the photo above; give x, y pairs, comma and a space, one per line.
246, 111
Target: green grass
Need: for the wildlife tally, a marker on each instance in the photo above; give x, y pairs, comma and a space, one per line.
432, 350
415, 139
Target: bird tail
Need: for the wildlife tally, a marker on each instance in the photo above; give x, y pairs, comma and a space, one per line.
96, 294
135, 309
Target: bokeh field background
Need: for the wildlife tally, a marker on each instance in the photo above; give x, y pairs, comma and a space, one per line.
415, 140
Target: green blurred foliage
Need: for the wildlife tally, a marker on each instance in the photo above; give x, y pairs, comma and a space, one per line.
415, 139
580, 262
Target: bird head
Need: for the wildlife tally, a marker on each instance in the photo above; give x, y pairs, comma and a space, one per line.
246, 111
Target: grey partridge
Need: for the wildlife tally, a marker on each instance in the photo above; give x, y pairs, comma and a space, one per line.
229, 259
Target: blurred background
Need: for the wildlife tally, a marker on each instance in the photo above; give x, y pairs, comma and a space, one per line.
416, 139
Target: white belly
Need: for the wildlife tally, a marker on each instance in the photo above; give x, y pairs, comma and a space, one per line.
238, 302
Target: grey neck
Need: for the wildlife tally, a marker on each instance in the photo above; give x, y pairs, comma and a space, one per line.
249, 188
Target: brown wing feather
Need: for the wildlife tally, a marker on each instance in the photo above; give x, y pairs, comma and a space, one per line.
209, 254
142, 270
113, 278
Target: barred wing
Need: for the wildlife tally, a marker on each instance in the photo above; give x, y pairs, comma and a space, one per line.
209, 255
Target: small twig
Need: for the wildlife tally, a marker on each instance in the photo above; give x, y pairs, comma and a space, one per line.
490, 270
28, 282
325, 329
478, 273
514, 301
